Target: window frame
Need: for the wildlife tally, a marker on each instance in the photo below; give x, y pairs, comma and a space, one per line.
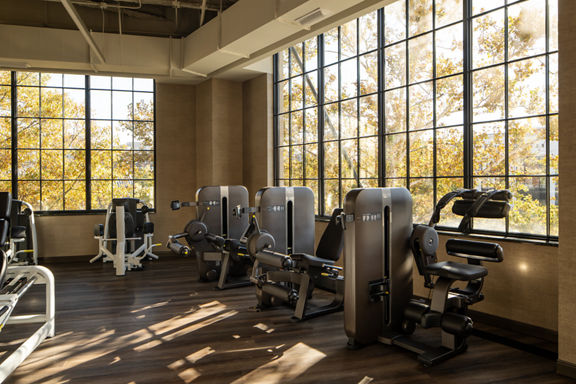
87, 119
468, 177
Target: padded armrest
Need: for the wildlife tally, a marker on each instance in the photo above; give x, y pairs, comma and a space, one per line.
312, 261
457, 271
477, 250
3, 231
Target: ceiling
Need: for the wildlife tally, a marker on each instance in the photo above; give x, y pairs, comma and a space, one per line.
160, 18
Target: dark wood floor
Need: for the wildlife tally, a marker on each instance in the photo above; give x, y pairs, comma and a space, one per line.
162, 326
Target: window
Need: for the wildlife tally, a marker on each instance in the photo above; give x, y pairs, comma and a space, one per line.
435, 95
72, 142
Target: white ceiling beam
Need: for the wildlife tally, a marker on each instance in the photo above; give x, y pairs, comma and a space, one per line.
202, 12
83, 30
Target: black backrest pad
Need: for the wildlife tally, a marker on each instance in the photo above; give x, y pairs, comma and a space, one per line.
5, 205
477, 249
3, 231
492, 209
332, 240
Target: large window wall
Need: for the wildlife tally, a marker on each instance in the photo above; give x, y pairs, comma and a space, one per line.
434, 96
72, 142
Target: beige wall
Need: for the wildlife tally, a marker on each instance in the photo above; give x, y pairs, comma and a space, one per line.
567, 250
257, 141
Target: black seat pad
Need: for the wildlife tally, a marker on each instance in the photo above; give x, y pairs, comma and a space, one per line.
18, 232
312, 261
456, 271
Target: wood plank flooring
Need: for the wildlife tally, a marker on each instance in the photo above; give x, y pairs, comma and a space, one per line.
161, 325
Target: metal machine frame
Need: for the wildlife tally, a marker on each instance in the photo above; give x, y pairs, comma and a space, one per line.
121, 259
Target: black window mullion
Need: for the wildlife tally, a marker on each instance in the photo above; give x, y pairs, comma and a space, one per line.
506, 114
467, 63
321, 111
434, 123
14, 132
381, 101
275, 103
88, 144
547, 66
407, 69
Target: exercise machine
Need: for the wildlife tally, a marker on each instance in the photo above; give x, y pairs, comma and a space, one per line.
217, 237
286, 271
125, 238
15, 281
381, 246
23, 243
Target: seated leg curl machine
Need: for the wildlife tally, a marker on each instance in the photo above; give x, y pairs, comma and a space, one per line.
15, 281
216, 235
285, 269
126, 237
379, 239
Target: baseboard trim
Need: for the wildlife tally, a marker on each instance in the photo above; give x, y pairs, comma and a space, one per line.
515, 326
565, 368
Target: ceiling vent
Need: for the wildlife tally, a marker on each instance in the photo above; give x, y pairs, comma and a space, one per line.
311, 17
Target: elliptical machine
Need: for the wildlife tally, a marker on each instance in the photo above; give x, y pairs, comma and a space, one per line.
126, 237
378, 269
218, 235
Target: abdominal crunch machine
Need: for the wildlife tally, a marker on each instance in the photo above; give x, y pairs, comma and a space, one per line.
379, 240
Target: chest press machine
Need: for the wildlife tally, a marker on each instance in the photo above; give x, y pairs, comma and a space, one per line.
125, 238
23, 243
215, 236
379, 240
285, 268
15, 281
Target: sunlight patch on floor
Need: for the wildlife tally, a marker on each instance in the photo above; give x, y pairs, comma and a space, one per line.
156, 305
293, 362
264, 327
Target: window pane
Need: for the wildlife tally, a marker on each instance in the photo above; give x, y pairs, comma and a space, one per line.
368, 25
101, 82
101, 194
488, 94
28, 78
448, 11
311, 88
283, 64
74, 134
311, 133
144, 190
348, 40
485, 184
5, 160
51, 101
554, 207
528, 213
395, 22
420, 12
283, 94
331, 196
395, 111
331, 46
29, 191
331, 167
422, 191
420, 58
349, 81
74, 101
297, 127
75, 195
122, 166
283, 129
296, 93
527, 146
449, 50
489, 149
554, 145
74, 81
527, 87
122, 188
450, 152
101, 134
144, 165
52, 195
331, 83
28, 133
369, 115
444, 186
396, 155
349, 123
395, 65
122, 105
450, 101
74, 165
143, 84
28, 165
101, 164
101, 104
143, 106
347, 186
51, 79
553, 73
28, 102
396, 183
553, 27
297, 155
422, 154
284, 160
369, 73
5, 133
369, 157
488, 39
421, 105
331, 121
311, 161
5, 100
311, 49
52, 165
349, 153
526, 28
296, 60
123, 83
52, 133
122, 134
6, 186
